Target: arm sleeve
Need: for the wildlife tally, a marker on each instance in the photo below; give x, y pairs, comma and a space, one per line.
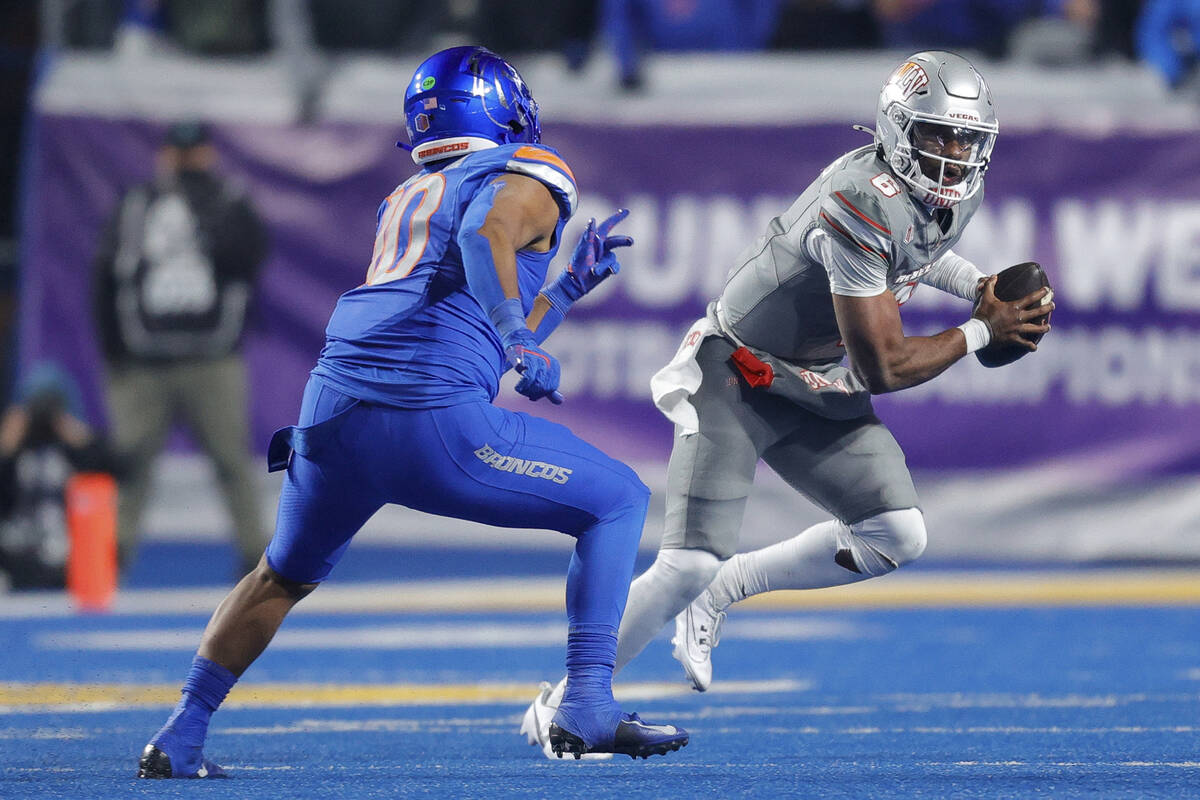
853, 244
954, 274
478, 265
550, 321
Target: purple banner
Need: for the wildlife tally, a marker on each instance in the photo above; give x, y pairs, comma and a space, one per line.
1115, 220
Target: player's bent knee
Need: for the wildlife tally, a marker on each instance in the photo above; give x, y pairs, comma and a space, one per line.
267, 578
691, 570
908, 534
880, 544
627, 498
638, 494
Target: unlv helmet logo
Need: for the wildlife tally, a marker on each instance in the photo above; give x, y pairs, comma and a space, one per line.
911, 79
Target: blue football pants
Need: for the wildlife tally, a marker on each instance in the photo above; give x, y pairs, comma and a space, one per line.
472, 461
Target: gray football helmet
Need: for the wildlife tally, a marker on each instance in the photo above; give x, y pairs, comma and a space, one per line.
937, 127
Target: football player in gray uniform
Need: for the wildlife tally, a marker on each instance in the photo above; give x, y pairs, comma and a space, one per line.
761, 376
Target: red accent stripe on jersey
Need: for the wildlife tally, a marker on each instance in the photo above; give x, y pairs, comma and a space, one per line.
850, 236
863, 216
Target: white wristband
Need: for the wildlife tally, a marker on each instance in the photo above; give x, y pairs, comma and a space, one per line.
977, 332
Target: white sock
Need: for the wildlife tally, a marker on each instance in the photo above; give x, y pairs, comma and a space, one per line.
877, 545
674, 579
803, 562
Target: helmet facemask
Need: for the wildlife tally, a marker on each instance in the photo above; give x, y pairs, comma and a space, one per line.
944, 160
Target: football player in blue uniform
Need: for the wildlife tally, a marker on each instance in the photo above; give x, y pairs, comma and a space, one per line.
399, 407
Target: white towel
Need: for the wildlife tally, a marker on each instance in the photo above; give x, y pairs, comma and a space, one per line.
673, 385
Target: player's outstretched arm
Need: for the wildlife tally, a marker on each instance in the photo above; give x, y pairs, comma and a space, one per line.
886, 360
591, 263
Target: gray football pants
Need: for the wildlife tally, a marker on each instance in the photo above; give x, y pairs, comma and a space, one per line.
209, 397
853, 469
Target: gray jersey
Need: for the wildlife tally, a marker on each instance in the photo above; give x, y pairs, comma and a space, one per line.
857, 231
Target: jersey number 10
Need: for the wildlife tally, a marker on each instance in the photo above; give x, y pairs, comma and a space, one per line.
403, 230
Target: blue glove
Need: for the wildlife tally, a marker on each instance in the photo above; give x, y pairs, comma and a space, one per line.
539, 370
592, 262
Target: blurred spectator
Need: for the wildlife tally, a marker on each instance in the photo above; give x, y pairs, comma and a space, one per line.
1072, 32
391, 26
1114, 29
826, 25
983, 25
142, 28
633, 27
1064, 33
83, 24
43, 442
566, 26
378, 25
218, 27
18, 44
1168, 38
175, 271
137, 27
579, 32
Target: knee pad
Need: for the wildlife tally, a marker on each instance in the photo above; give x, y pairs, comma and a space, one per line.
689, 570
879, 544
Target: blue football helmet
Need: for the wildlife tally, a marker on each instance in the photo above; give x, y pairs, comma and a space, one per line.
465, 99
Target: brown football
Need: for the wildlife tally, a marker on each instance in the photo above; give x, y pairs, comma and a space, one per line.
1013, 284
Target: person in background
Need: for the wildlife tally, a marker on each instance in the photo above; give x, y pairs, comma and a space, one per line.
982, 25
1168, 38
175, 275
43, 443
634, 27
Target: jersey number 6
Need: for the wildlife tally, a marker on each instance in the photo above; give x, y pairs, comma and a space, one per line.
404, 228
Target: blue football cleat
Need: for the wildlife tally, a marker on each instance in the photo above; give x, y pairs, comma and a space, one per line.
155, 763
632, 737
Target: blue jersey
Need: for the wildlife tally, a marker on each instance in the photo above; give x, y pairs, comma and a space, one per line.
412, 335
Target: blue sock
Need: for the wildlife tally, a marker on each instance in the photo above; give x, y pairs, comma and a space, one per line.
182, 737
588, 708
591, 657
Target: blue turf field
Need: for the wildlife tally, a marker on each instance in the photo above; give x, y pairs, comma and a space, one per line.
1061, 701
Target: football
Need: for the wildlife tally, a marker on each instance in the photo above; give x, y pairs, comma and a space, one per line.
1013, 284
